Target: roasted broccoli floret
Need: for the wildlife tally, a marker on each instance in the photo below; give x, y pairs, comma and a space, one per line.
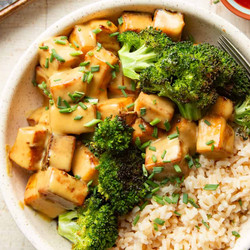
185, 74
242, 114
92, 227
111, 135
121, 180
139, 51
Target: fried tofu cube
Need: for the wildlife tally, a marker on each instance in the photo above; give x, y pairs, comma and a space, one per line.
29, 148
84, 163
173, 161
64, 123
83, 38
187, 133
156, 107
37, 201
223, 107
134, 21
41, 75
121, 80
63, 58
65, 82
114, 106
170, 23
62, 188
215, 140
128, 116
144, 131
108, 42
60, 151
97, 88
39, 115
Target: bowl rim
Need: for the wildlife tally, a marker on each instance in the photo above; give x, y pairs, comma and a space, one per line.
68, 21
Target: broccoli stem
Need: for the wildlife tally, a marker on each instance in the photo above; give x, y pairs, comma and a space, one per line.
190, 111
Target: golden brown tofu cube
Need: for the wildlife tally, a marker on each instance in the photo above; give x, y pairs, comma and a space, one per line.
128, 116
37, 201
62, 188
64, 123
38, 116
187, 133
156, 107
65, 57
173, 161
223, 107
69, 81
134, 21
84, 163
97, 88
114, 106
108, 42
121, 80
29, 147
144, 131
83, 38
215, 140
60, 151
170, 23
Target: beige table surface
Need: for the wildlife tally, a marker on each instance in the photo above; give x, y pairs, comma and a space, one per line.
16, 33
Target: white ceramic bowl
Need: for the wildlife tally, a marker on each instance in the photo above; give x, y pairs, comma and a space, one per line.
19, 96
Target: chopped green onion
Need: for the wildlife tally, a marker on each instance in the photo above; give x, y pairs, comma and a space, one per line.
144, 205
122, 87
159, 221
113, 74
57, 80
157, 170
173, 136
110, 65
205, 224
66, 104
46, 63
152, 148
207, 122
154, 102
155, 132
190, 161
143, 155
166, 161
144, 170
84, 77
167, 199
211, 187
240, 202
236, 234
155, 189
56, 56
216, 1
143, 111
177, 168
178, 214
130, 106
109, 23
165, 181
155, 227
155, 121
63, 37
133, 85
114, 34
153, 184
76, 53
78, 177
141, 126
138, 142
96, 31
185, 198
90, 53
44, 47
175, 198
145, 144
82, 105
124, 93
92, 123
167, 125
90, 77
60, 42
136, 219
79, 29
77, 46
95, 68
154, 159
210, 142
163, 154
65, 110
78, 117
120, 20
191, 201
35, 84
85, 63
99, 46
212, 147
89, 183
59, 101
158, 200
46, 108
98, 115
197, 227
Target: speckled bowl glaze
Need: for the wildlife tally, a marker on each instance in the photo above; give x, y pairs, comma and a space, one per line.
19, 96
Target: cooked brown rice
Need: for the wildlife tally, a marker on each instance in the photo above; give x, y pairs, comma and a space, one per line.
220, 209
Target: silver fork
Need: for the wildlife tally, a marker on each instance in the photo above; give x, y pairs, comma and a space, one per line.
226, 45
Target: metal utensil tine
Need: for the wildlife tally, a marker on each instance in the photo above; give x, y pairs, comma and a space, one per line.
235, 49
235, 54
